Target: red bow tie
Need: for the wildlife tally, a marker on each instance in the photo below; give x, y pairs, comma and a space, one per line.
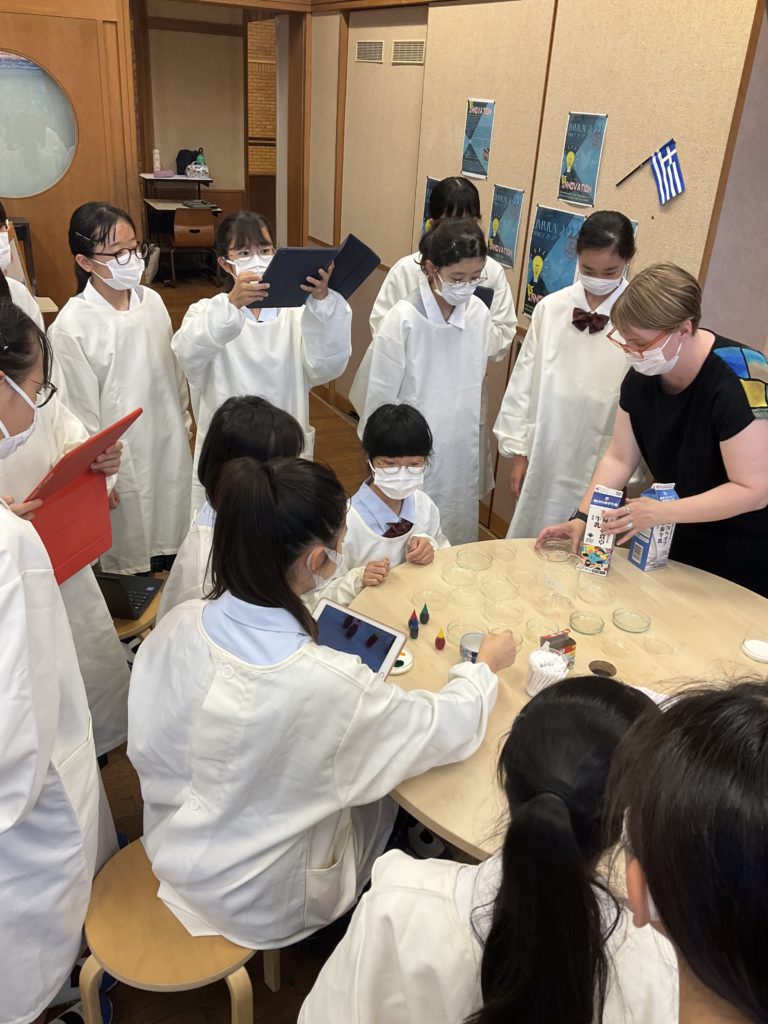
398, 529
594, 321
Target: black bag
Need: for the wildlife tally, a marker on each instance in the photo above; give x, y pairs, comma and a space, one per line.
184, 158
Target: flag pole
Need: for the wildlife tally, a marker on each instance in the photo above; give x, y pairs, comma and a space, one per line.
635, 170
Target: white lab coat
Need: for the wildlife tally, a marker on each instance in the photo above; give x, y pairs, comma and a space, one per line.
362, 544
22, 297
438, 366
559, 408
99, 652
405, 277
50, 790
225, 352
263, 783
111, 362
411, 953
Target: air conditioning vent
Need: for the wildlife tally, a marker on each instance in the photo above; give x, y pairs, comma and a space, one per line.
408, 51
370, 51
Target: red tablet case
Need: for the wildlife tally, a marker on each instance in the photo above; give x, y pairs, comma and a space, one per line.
73, 521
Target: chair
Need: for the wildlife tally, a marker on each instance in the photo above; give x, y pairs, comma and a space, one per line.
135, 937
193, 231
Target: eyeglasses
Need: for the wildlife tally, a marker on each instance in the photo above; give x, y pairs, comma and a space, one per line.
393, 470
45, 392
123, 256
243, 254
631, 346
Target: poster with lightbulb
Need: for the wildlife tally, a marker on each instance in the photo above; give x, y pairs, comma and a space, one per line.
426, 220
478, 129
552, 255
504, 224
582, 152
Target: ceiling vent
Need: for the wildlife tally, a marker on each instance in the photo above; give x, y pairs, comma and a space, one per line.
370, 51
408, 51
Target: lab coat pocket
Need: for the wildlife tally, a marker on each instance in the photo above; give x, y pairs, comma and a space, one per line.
331, 890
80, 782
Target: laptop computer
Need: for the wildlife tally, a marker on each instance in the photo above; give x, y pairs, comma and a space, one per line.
127, 597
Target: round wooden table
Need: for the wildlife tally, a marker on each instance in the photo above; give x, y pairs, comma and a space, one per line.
698, 622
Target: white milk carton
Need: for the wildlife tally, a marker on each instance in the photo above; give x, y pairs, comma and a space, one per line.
597, 546
650, 549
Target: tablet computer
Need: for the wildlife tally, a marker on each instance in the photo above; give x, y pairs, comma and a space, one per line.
377, 645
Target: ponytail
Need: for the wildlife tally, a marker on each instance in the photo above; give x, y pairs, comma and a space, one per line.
544, 958
266, 516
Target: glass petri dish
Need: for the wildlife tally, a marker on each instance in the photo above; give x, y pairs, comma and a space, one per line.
616, 648
658, 647
535, 629
522, 578
516, 633
459, 627
502, 551
466, 597
434, 598
495, 589
455, 576
594, 590
556, 549
504, 614
553, 603
474, 558
631, 621
587, 623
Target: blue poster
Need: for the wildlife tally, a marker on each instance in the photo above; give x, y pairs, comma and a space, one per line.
504, 224
552, 256
584, 136
477, 138
426, 223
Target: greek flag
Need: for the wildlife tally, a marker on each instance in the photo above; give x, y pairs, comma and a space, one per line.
667, 172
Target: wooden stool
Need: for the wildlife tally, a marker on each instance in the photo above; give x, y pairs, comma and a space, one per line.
135, 937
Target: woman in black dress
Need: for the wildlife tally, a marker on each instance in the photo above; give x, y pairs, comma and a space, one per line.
695, 406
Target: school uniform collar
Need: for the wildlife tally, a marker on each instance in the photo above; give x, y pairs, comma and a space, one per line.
605, 307
380, 511
256, 616
266, 315
91, 295
433, 311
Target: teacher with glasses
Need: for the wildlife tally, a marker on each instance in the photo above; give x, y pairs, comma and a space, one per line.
694, 405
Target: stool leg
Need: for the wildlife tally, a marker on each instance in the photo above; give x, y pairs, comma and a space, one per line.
272, 969
90, 979
241, 994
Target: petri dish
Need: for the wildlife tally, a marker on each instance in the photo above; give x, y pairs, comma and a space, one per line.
755, 649
553, 603
504, 614
658, 647
459, 627
556, 549
434, 598
616, 648
587, 623
502, 551
594, 590
535, 629
516, 633
631, 621
522, 578
466, 597
455, 576
495, 589
474, 558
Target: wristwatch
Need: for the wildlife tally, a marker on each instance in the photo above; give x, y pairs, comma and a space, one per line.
576, 514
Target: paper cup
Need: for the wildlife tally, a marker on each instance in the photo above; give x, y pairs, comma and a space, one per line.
544, 669
469, 646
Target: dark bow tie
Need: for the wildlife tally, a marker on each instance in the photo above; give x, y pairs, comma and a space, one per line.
398, 529
594, 321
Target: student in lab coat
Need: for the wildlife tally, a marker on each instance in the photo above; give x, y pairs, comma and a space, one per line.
242, 426
531, 934
227, 349
431, 351
456, 198
50, 792
18, 293
696, 845
390, 519
557, 415
265, 759
112, 348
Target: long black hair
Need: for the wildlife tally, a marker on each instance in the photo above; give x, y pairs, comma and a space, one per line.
89, 227
694, 784
544, 958
21, 341
450, 241
266, 515
246, 425
236, 231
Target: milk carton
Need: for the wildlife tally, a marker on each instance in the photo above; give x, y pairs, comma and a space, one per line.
650, 549
597, 546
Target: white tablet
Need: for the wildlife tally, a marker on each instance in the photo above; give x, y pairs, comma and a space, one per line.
375, 644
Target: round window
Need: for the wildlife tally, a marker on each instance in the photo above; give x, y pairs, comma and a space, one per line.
38, 130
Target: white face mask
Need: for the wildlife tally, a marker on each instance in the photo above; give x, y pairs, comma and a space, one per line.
600, 285
653, 363
254, 264
404, 481
124, 278
456, 292
332, 556
10, 442
5, 250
